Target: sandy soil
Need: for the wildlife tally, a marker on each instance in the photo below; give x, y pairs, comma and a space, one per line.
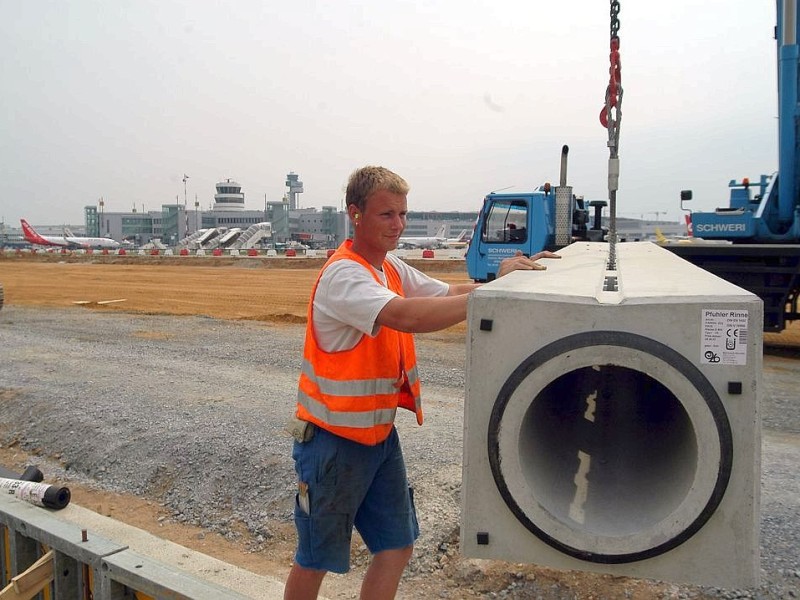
225, 288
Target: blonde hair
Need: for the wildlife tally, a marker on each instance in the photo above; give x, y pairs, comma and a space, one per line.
366, 181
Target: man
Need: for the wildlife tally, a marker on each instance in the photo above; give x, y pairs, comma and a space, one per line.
359, 365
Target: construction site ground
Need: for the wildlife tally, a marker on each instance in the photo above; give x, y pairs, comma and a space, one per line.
268, 290
219, 287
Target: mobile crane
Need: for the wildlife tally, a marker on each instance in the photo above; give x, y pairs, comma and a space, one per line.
754, 242
758, 234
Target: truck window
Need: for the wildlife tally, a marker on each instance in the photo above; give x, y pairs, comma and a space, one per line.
506, 222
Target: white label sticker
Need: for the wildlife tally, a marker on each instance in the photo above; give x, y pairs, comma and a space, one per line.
724, 337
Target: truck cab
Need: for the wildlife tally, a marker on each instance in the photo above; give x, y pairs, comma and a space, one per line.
508, 223
526, 222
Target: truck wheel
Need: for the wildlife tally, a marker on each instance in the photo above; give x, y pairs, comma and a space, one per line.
1, 295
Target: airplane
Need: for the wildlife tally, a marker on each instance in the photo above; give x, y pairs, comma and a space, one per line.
424, 242
460, 241
65, 241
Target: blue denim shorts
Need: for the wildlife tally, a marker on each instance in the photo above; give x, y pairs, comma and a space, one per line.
350, 485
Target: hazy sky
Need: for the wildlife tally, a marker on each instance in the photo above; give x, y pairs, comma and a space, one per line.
118, 99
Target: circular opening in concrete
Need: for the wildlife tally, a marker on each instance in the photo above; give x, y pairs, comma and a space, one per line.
610, 446
608, 450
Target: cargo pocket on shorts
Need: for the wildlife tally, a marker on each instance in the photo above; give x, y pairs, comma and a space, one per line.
324, 541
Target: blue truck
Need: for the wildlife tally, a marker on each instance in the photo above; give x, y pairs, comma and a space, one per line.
548, 218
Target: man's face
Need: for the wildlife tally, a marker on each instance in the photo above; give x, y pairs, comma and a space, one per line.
382, 223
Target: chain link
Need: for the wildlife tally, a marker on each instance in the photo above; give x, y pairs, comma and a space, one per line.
612, 115
611, 118
615, 8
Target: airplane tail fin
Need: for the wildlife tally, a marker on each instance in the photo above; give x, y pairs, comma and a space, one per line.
462, 236
660, 237
441, 232
689, 230
31, 235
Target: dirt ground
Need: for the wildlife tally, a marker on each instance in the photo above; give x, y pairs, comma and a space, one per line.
258, 289
274, 290
225, 288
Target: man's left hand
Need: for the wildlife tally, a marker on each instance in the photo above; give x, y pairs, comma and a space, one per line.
520, 262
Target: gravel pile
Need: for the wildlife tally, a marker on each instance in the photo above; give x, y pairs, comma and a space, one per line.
189, 412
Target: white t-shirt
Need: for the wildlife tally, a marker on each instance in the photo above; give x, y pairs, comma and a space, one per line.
348, 300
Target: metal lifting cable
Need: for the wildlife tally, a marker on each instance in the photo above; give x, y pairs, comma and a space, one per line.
610, 118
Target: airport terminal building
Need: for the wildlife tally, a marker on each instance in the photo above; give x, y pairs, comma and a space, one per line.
326, 227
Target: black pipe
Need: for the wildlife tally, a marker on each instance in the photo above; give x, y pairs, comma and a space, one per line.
31, 473
54, 497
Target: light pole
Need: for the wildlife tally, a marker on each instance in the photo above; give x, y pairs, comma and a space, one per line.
100, 222
185, 210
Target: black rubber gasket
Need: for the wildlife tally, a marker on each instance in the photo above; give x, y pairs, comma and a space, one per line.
640, 344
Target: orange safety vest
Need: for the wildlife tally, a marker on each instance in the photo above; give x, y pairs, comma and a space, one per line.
355, 393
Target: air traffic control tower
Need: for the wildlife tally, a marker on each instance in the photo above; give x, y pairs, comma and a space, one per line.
295, 189
229, 196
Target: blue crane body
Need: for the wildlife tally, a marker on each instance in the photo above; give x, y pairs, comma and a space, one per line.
762, 220
771, 214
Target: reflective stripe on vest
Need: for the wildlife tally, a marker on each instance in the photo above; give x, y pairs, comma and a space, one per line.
357, 387
359, 420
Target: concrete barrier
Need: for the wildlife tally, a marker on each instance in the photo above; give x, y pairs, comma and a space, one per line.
127, 560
